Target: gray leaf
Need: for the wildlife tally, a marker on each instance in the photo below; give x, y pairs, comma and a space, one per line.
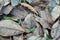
19, 13
29, 21
8, 27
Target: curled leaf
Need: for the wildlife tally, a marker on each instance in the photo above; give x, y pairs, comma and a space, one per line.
29, 7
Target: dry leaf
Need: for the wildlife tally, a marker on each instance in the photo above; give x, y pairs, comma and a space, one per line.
29, 7
29, 21
8, 28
